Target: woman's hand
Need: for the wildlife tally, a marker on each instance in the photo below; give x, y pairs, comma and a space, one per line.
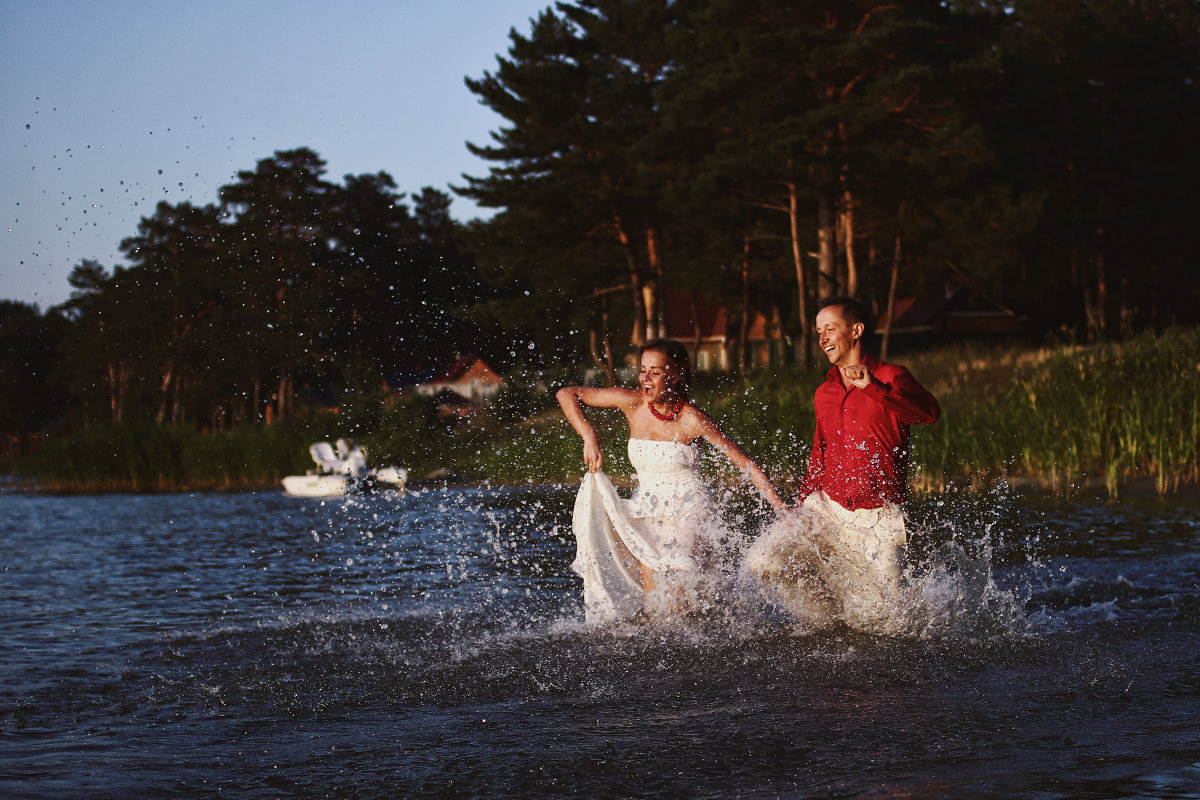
573, 398
593, 456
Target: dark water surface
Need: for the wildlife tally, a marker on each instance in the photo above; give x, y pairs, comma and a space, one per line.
429, 644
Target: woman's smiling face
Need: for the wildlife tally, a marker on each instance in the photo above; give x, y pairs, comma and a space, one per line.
654, 376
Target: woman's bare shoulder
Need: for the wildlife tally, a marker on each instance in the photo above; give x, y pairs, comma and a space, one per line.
694, 421
693, 414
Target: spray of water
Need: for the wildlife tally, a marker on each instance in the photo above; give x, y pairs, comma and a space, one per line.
454, 573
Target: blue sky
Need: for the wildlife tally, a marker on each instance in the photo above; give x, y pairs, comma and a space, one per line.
108, 107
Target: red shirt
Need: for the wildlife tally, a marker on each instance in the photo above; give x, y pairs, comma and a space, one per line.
860, 446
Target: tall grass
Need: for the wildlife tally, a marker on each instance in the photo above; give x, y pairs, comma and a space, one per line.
771, 417
1067, 417
1061, 418
144, 456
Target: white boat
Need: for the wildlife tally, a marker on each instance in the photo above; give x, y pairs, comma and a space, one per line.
341, 473
314, 485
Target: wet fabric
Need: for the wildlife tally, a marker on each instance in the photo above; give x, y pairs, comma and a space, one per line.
824, 562
664, 525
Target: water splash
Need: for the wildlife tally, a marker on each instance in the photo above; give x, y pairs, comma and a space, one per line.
491, 566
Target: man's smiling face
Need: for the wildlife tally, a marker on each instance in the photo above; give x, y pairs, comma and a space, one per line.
838, 338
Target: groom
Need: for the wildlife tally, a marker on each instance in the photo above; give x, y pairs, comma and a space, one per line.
842, 556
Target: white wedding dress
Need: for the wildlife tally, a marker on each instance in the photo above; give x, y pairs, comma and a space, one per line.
660, 526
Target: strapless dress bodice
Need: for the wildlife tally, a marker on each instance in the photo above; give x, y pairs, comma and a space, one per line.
650, 458
669, 481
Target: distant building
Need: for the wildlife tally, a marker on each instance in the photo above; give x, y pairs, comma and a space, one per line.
950, 311
469, 377
708, 333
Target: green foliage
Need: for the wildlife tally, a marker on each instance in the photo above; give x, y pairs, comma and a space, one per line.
525, 394
1063, 418
230, 314
1068, 417
410, 435
1035, 152
146, 456
34, 391
771, 416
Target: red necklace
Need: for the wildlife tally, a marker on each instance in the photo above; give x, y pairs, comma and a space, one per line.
675, 409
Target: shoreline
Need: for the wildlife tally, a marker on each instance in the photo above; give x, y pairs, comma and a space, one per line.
1116, 420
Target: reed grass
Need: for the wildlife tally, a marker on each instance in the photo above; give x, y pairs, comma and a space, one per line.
1066, 418
147, 457
1061, 418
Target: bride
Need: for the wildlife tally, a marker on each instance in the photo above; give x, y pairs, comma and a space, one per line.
663, 529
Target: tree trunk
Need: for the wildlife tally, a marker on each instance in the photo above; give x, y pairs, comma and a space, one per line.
801, 285
594, 347
1091, 316
638, 336
872, 257
656, 307
891, 303
1093, 303
744, 326
281, 400
1102, 300
650, 301
115, 381
610, 370
176, 415
1100, 314
604, 362
697, 334
848, 231
826, 240
165, 392
775, 340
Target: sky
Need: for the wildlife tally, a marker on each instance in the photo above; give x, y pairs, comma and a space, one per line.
106, 108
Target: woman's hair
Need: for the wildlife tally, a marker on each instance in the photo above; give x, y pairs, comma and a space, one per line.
677, 358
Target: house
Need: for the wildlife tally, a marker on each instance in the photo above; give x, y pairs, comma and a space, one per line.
950, 311
711, 334
469, 377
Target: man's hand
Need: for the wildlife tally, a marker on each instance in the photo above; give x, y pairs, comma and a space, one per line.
857, 376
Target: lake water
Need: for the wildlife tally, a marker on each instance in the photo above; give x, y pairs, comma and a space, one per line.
254, 645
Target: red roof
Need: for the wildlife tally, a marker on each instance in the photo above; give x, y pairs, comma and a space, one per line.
467, 367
